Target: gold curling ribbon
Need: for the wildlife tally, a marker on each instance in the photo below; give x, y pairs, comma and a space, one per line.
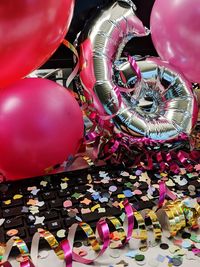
23, 249
90, 235
53, 243
154, 223
176, 212
141, 227
176, 208
118, 227
192, 213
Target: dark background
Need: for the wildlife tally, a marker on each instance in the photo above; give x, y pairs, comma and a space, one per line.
84, 9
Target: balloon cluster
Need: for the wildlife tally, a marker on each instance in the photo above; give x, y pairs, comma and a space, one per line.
135, 107
36, 133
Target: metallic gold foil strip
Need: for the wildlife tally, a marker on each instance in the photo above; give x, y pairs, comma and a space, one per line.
51, 240
191, 216
90, 235
178, 206
2, 251
172, 228
173, 208
118, 226
141, 226
155, 224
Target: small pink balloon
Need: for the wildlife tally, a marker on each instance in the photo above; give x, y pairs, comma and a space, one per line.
175, 28
41, 125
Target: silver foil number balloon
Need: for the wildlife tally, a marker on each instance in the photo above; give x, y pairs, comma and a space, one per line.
160, 107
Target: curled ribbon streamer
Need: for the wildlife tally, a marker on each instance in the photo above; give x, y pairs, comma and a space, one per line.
164, 191
102, 231
51, 240
21, 245
154, 223
142, 235
175, 211
67, 252
76, 69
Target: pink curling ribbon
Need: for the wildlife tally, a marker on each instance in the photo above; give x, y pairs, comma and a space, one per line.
102, 231
135, 67
130, 220
163, 192
67, 252
76, 69
136, 70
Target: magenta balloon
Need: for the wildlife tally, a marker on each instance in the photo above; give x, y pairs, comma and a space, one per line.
175, 28
30, 31
41, 125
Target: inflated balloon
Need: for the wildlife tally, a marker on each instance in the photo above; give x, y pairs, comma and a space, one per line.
176, 34
172, 106
41, 126
30, 31
103, 41
161, 106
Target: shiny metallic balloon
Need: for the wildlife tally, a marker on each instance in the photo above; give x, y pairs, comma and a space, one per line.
162, 104
103, 41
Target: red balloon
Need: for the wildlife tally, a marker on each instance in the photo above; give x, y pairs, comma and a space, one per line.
41, 125
30, 32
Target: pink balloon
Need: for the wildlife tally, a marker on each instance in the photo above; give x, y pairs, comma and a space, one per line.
175, 28
30, 32
41, 125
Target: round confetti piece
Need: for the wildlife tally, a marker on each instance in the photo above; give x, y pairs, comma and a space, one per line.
114, 253
67, 204
153, 263
43, 254
191, 188
177, 261
164, 246
139, 257
138, 172
186, 235
12, 232
78, 244
61, 233
187, 243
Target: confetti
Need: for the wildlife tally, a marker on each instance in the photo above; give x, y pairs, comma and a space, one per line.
86, 201
2, 221
43, 254
39, 220
67, 204
12, 232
